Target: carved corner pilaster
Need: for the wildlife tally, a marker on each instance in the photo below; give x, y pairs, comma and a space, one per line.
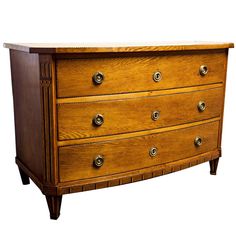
45, 70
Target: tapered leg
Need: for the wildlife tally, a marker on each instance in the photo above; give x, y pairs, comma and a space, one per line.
213, 166
24, 178
54, 206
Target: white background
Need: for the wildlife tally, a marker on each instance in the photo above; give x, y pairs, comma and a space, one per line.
189, 202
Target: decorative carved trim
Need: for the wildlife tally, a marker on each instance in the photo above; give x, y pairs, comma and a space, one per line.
46, 101
45, 71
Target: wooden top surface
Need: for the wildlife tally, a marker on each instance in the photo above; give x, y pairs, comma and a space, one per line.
114, 47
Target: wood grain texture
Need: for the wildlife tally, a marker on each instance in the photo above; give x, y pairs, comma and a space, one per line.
134, 134
137, 175
76, 162
133, 74
27, 110
115, 47
131, 115
97, 98
32, 93
55, 101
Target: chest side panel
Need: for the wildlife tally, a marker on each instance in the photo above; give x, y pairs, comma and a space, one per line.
27, 110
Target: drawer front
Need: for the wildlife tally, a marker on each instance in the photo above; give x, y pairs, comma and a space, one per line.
78, 120
78, 162
75, 77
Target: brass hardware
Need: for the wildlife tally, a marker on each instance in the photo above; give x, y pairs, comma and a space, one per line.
156, 115
98, 78
153, 151
98, 161
198, 141
203, 70
157, 76
98, 120
201, 106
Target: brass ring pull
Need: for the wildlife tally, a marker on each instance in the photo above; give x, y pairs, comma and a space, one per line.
203, 70
98, 78
98, 161
201, 106
153, 152
98, 120
155, 115
157, 76
198, 141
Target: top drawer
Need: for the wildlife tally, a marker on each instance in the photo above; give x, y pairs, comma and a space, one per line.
75, 77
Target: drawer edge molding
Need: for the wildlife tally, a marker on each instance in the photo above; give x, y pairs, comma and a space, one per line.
96, 98
133, 134
136, 175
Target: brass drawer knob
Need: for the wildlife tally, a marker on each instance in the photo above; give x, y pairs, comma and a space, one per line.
98, 161
98, 78
201, 106
98, 120
157, 76
203, 70
155, 115
153, 151
198, 141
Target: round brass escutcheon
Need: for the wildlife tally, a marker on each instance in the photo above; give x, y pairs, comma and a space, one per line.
203, 70
201, 106
98, 78
157, 76
98, 161
155, 115
98, 120
198, 141
153, 152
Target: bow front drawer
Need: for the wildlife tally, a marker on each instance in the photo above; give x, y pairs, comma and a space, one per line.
111, 157
110, 75
108, 117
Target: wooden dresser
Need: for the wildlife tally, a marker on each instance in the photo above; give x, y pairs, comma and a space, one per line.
95, 116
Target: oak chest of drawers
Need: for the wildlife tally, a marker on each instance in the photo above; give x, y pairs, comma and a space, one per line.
89, 117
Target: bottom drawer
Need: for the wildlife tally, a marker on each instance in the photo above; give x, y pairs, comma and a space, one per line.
116, 156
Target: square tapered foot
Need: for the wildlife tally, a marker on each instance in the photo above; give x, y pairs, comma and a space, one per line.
213, 166
54, 206
24, 177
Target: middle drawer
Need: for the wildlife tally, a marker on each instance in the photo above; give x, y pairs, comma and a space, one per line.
108, 117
